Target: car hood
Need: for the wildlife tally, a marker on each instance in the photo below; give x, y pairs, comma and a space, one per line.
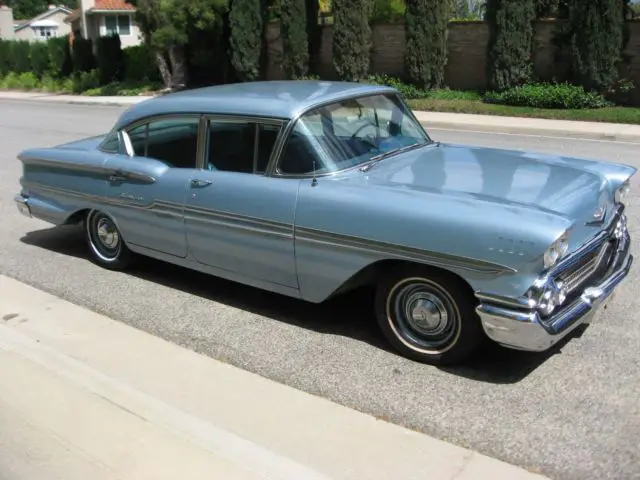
571, 188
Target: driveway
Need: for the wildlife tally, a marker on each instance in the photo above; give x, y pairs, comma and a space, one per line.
572, 413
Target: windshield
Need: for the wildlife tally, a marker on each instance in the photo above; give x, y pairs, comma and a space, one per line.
350, 133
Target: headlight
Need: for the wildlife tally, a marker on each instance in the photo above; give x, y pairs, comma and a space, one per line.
622, 192
556, 251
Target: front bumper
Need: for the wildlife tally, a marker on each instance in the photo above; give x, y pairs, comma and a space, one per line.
22, 202
522, 327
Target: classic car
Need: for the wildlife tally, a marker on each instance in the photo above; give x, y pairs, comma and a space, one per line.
312, 188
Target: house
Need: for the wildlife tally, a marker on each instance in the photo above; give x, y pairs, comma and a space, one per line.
97, 18
44, 26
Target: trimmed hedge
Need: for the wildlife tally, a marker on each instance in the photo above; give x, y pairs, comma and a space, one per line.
548, 95
30, 65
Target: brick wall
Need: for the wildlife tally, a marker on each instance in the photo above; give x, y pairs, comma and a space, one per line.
467, 43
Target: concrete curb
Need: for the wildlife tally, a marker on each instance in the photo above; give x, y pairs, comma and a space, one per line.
598, 131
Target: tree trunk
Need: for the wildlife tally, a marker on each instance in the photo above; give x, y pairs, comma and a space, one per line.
163, 68
178, 67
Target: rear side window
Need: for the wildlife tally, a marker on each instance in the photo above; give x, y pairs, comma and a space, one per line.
173, 141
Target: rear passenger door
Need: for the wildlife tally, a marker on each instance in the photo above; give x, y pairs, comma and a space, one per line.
147, 189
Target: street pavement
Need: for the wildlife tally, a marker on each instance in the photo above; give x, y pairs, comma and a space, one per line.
572, 413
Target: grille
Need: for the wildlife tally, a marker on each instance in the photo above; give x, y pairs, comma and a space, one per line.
593, 265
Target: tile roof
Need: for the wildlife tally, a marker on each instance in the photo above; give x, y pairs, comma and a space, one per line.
112, 5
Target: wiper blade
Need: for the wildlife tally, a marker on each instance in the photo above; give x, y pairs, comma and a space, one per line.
373, 160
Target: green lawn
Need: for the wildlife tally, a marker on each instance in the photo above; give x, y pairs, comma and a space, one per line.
607, 114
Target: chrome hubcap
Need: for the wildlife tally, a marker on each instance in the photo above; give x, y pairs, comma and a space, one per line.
423, 315
104, 237
107, 233
426, 313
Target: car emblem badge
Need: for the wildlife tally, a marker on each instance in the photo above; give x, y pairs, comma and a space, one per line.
598, 215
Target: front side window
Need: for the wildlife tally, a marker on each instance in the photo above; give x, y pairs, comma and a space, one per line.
173, 141
349, 133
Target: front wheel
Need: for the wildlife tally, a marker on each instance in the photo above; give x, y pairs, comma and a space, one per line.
106, 246
428, 316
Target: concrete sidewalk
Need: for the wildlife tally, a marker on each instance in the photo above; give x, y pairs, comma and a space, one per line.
83, 396
431, 120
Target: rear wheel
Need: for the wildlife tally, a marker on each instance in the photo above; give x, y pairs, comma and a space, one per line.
428, 315
106, 245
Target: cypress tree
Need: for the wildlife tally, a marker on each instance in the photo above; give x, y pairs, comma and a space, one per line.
246, 38
351, 38
425, 23
295, 45
510, 42
597, 37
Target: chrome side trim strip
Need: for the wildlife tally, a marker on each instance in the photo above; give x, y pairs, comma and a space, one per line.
270, 227
400, 251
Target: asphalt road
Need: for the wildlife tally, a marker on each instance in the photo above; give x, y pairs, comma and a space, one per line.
573, 413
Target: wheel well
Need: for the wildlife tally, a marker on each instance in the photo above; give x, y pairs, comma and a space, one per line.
77, 217
368, 276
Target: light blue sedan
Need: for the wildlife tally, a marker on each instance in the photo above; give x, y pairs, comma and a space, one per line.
311, 189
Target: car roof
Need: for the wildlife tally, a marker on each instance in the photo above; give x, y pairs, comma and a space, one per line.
284, 99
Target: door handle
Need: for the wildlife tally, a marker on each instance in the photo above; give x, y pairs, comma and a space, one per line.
195, 183
117, 177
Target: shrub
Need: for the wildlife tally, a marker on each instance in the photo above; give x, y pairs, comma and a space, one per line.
110, 59
351, 38
246, 25
295, 44
596, 42
545, 95
426, 50
410, 92
82, 54
60, 61
510, 42
139, 64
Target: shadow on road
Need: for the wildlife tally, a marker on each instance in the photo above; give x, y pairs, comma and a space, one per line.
349, 315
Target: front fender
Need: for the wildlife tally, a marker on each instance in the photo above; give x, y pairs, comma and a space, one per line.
341, 228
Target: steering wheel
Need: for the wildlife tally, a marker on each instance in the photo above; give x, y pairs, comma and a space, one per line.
372, 140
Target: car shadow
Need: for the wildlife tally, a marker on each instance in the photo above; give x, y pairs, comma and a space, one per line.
350, 315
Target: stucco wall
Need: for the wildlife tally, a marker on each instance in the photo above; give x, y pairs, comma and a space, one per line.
467, 45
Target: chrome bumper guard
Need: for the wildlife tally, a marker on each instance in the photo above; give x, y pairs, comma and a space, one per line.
22, 203
523, 328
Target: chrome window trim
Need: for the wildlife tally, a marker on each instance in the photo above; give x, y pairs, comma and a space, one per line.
288, 130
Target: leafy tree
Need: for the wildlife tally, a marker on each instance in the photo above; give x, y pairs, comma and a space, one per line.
295, 45
426, 44
351, 38
167, 27
468, 9
510, 42
596, 42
